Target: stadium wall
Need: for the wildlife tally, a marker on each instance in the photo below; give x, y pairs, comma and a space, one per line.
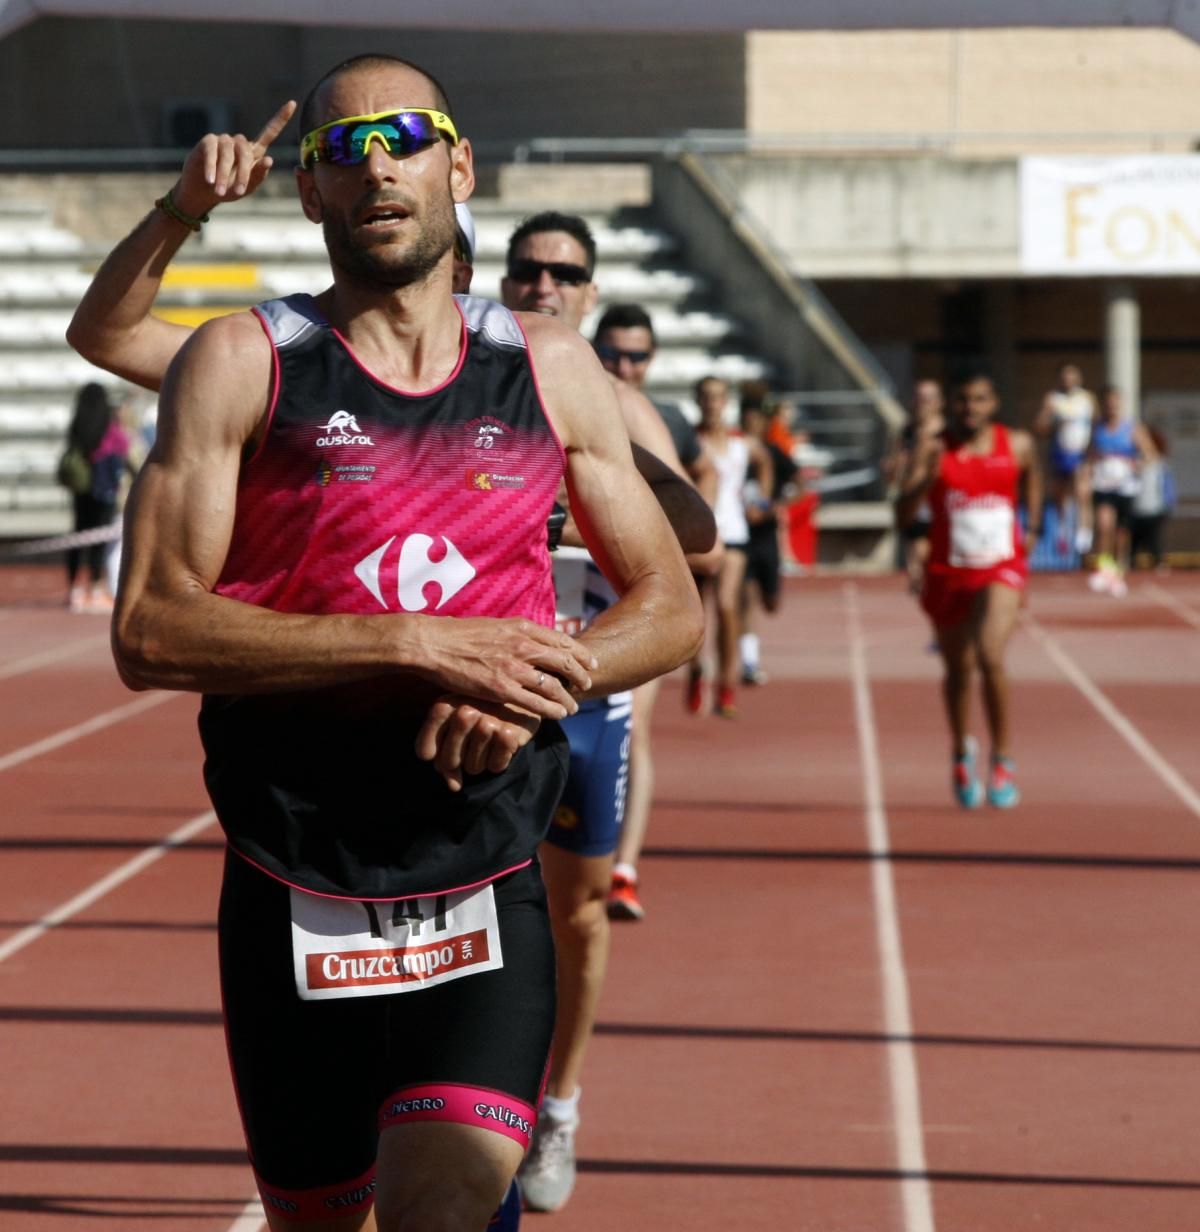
103, 83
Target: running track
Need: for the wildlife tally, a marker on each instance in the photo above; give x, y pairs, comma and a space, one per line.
851, 1008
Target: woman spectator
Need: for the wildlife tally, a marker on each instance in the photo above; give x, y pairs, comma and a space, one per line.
97, 433
1151, 506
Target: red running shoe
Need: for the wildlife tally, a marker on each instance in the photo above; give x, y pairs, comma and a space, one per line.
623, 902
693, 699
726, 706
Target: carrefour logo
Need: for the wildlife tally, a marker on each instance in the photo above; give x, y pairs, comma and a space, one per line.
415, 571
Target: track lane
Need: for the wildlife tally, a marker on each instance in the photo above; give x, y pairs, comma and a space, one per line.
1045, 944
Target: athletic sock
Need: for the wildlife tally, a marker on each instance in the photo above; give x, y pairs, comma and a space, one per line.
748, 648
625, 870
562, 1110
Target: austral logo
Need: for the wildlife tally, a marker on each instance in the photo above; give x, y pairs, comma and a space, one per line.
414, 571
343, 429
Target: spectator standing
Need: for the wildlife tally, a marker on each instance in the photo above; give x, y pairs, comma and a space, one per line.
96, 433
1152, 506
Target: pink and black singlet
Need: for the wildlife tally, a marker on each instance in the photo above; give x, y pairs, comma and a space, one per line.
361, 500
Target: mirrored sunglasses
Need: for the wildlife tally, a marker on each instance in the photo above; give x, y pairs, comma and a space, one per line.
347, 142
615, 355
562, 272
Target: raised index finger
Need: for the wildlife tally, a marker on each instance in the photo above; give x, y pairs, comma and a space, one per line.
275, 125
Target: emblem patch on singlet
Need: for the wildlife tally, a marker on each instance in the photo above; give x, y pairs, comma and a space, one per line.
345, 948
490, 481
327, 474
415, 571
486, 432
342, 429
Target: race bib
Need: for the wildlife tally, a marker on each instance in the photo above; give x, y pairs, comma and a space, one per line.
1074, 434
1112, 473
981, 536
342, 947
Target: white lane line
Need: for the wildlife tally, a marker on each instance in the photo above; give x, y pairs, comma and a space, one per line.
1176, 605
1124, 728
32, 662
252, 1219
897, 1014
98, 889
95, 724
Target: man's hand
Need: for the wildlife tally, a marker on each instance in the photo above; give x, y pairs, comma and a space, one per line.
224, 165
512, 661
462, 735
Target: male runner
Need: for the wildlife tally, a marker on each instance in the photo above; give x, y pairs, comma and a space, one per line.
739, 459
550, 271
1119, 448
927, 417
322, 543
1065, 418
626, 344
970, 474
763, 511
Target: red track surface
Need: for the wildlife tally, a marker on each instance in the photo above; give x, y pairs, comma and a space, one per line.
752, 1037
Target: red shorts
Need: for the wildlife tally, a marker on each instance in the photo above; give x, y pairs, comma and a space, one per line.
949, 593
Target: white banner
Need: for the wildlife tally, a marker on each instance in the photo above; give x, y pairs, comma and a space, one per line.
1131, 215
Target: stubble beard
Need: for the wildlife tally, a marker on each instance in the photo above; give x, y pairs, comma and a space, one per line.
389, 266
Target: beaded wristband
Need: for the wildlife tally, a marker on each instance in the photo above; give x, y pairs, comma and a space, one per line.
166, 203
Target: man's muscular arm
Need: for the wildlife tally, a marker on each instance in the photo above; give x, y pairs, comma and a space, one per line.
113, 326
172, 631
1025, 452
919, 474
658, 464
657, 623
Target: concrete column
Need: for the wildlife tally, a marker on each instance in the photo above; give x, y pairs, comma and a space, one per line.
1122, 342
1000, 338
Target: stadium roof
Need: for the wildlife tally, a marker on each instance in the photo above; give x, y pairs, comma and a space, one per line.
613, 15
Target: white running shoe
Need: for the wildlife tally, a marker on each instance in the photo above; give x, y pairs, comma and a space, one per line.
548, 1173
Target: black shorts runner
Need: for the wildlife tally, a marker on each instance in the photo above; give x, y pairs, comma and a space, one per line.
318, 1080
762, 559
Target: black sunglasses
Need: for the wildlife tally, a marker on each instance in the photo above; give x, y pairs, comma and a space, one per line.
615, 355
563, 272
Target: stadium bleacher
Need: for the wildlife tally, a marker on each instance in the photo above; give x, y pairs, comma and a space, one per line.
260, 248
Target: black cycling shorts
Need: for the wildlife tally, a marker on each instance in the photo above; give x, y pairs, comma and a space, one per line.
762, 561
319, 1080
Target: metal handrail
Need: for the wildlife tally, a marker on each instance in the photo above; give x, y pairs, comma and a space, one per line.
740, 141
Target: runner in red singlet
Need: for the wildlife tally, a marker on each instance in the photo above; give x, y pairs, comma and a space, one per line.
970, 475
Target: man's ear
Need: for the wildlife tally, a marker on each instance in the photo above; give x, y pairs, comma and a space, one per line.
462, 171
310, 199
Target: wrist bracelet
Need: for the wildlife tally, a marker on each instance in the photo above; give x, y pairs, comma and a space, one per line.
166, 203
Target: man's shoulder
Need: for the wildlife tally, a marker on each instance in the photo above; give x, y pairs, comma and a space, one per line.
239, 335
549, 330
672, 412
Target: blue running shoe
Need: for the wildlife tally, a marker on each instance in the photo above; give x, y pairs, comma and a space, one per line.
968, 790
1001, 789
508, 1217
